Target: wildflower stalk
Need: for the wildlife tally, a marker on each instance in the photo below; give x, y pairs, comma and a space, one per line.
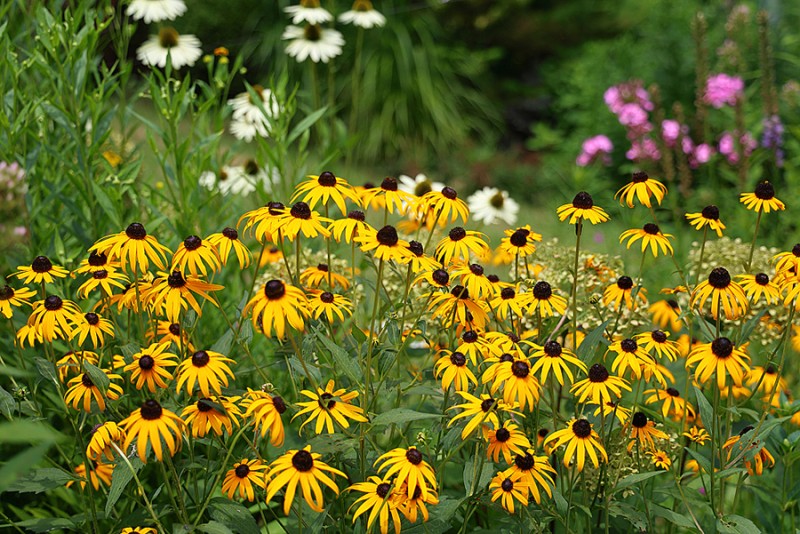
753, 243
140, 489
702, 251
578, 232
371, 333
218, 477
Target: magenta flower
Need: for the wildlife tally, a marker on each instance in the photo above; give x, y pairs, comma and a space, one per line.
594, 148
722, 90
671, 130
727, 146
643, 149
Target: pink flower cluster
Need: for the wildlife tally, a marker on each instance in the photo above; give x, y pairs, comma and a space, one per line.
631, 103
727, 146
595, 148
723, 90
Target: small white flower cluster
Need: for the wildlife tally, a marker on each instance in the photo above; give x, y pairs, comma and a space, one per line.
238, 180
182, 50
251, 116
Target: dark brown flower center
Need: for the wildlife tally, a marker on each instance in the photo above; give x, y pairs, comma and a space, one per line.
230, 233
41, 264
176, 280
303, 461
457, 234
497, 201
416, 248
276, 208
96, 260
327, 179
507, 485
242, 470
506, 357
520, 369
507, 293
280, 405
796, 250
628, 345
524, 462
458, 359
639, 420
770, 369
136, 231
583, 201
719, 278
624, 282
493, 278
469, 336
6, 293
414, 456
658, 336
357, 215
53, 303
673, 304
389, 184
449, 193
175, 329
765, 191
502, 435
722, 347
322, 267
274, 289
251, 167
711, 213
639, 177
387, 236
441, 277
301, 211
486, 404
151, 410
382, 489
146, 362
745, 430
542, 433
672, 392
86, 381
326, 297
326, 401
192, 242
651, 228
552, 349
598, 373
100, 274
460, 292
519, 238
542, 291
200, 358
582, 428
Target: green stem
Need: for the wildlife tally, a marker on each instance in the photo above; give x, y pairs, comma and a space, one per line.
371, 333
753, 243
578, 232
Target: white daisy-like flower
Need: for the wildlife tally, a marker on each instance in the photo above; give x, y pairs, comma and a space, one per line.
309, 11
237, 180
155, 10
418, 186
253, 118
363, 15
184, 49
246, 130
315, 42
490, 205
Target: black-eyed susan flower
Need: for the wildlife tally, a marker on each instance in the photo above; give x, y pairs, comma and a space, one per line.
788, 262
418, 260
167, 332
482, 412
673, 405
442, 206
720, 357
452, 368
511, 342
263, 221
473, 278
265, 410
196, 256
173, 293
379, 499
416, 504
103, 439
582, 207
642, 188
506, 440
329, 405
53, 318
456, 305
762, 199
520, 242
709, 217
613, 409
509, 488
653, 370
766, 380
83, 390
95, 262
509, 301
761, 457
410, 468
581, 441
474, 344
651, 236
212, 413
275, 305
29, 334
666, 314
697, 435
495, 363
72, 363
132, 247
301, 219
40, 271
658, 341
622, 291
501, 256
599, 386
225, 241
644, 431
329, 304
629, 357
660, 459
303, 468
245, 474
150, 424
437, 278
105, 280
131, 299
458, 244
723, 292
271, 254
553, 357
518, 383
14, 298
535, 471
385, 243
321, 274
392, 198
92, 326
138, 530
544, 302
100, 473
759, 285
207, 369
323, 188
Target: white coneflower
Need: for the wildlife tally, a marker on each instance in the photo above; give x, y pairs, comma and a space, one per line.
155, 10
313, 41
309, 11
362, 14
249, 119
184, 49
490, 205
237, 180
246, 130
419, 185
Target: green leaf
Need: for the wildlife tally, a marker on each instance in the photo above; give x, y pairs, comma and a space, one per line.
233, 515
704, 462
46, 369
40, 480
342, 359
105, 203
706, 412
736, 524
398, 416
122, 477
750, 325
592, 339
46, 524
21, 431
635, 478
214, 527
312, 370
7, 403
223, 344
634, 516
20, 463
5, 370
486, 475
305, 124
673, 517
97, 376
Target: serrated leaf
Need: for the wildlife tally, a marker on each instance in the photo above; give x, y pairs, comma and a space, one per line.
342, 359
40, 480
398, 416
587, 346
97, 376
122, 477
635, 478
233, 515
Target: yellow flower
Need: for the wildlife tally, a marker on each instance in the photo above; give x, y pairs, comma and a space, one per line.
481, 410
721, 290
660, 459
757, 285
323, 188
581, 441
150, 424
582, 207
388, 195
306, 469
263, 221
72, 362
194, 255
545, 301
132, 247
506, 440
301, 219
385, 242
92, 326
172, 294
103, 279
473, 278
411, 506
697, 435
788, 263
150, 365
205, 415
207, 369
761, 457
452, 368
349, 227
329, 405
622, 290
379, 499
508, 489
509, 300
417, 258
411, 469
456, 305
553, 357
657, 340
329, 304
41, 271
227, 240
720, 357
535, 471
610, 408
321, 274
275, 305
641, 188
599, 386
709, 217
518, 383
81, 388
103, 439
442, 206
673, 405
9, 297
265, 410
101, 472
666, 314
644, 431
629, 356
53, 317
241, 479
762, 199
651, 236
519, 242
